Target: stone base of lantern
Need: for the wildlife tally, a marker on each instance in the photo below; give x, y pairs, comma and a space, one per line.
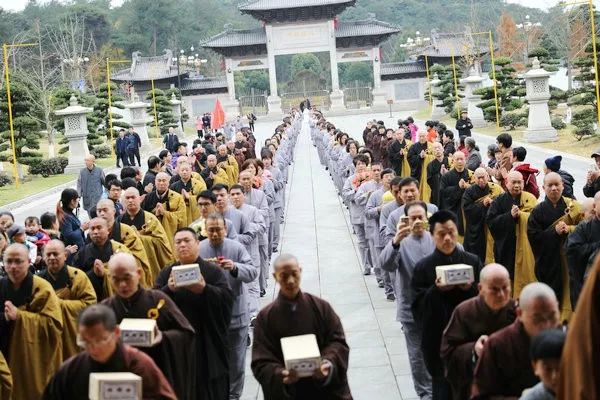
539, 135
78, 150
337, 101
274, 106
380, 100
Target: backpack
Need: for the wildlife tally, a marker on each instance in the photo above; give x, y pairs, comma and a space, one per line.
529, 179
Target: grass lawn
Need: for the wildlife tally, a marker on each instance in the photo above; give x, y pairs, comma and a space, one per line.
31, 186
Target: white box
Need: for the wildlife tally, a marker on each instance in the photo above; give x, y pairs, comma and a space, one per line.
301, 353
185, 275
139, 332
455, 274
115, 386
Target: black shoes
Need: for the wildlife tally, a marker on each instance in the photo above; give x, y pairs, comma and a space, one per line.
391, 297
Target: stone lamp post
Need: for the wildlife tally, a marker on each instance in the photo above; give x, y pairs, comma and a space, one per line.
76, 131
473, 82
139, 118
539, 127
177, 112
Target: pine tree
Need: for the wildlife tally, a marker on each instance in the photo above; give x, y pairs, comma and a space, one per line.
26, 129
584, 96
101, 112
446, 89
184, 114
164, 111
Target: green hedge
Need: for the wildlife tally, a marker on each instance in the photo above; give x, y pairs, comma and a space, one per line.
51, 166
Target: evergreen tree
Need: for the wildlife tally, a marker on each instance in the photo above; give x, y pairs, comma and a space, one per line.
184, 114
164, 111
101, 112
26, 129
585, 95
446, 89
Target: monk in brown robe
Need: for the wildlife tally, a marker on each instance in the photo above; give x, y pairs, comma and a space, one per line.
73, 288
99, 336
471, 324
158, 245
127, 236
580, 363
166, 204
173, 354
504, 367
30, 326
297, 313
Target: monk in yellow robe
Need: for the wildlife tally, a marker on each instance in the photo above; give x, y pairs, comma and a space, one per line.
419, 156
229, 162
158, 246
167, 205
127, 236
30, 326
6, 383
548, 226
73, 288
94, 256
475, 204
189, 188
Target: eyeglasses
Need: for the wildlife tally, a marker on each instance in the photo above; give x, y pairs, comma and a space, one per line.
95, 344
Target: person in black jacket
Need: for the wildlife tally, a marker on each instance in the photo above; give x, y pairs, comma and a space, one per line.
448, 142
171, 141
121, 149
552, 164
592, 184
134, 142
464, 125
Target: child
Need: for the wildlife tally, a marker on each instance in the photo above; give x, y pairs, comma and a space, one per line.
16, 234
35, 234
546, 350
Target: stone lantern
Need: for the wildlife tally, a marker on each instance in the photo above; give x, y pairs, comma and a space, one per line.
76, 131
436, 112
177, 112
539, 127
139, 117
472, 83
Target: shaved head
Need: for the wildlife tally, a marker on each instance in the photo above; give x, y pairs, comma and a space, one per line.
536, 291
494, 286
122, 260
163, 175
492, 271
588, 207
125, 274
480, 172
514, 175
551, 176
284, 258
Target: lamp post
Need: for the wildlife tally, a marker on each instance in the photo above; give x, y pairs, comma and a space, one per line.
527, 27
75, 64
5, 48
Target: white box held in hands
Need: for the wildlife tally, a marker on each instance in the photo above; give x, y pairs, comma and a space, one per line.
185, 275
301, 353
139, 332
455, 274
115, 386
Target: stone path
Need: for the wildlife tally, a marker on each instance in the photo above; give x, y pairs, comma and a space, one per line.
317, 231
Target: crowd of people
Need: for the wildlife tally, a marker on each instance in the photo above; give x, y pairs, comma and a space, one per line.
422, 198
65, 285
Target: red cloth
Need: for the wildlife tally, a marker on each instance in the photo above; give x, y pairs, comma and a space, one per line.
217, 116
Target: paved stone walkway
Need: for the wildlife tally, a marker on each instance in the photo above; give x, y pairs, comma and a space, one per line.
317, 231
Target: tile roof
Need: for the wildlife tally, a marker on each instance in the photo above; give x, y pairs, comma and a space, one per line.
364, 28
448, 44
406, 67
146, 68
204, 83
264, 5
247, 37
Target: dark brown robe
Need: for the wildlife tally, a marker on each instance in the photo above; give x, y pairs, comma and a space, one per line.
174, 355
470, 320
305, 315
504, 368
72, 379
210, 314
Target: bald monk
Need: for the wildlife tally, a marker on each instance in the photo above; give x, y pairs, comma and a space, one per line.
189, 188
507, 221
154, 238
229, 162
73, 288
470, 325
6, 383
92, 257
548, 227
588, 209
128, 236
476, 202
167, 205
452, 188
215, 173
504, 368
30, 325
174, 352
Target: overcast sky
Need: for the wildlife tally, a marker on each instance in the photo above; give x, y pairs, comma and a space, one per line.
543, 4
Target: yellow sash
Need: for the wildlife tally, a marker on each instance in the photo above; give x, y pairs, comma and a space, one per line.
524, 259
424, 189
495, 191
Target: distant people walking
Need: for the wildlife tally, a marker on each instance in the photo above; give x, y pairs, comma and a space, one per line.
134, 142
121, 149
171, 141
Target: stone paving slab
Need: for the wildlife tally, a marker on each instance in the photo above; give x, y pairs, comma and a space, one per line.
318, 232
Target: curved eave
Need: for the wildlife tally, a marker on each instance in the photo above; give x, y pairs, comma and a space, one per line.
297, 13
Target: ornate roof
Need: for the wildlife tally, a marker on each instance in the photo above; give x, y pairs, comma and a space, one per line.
444, 45
294, 10
204, 83
147, 68
254, 41
400, 68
